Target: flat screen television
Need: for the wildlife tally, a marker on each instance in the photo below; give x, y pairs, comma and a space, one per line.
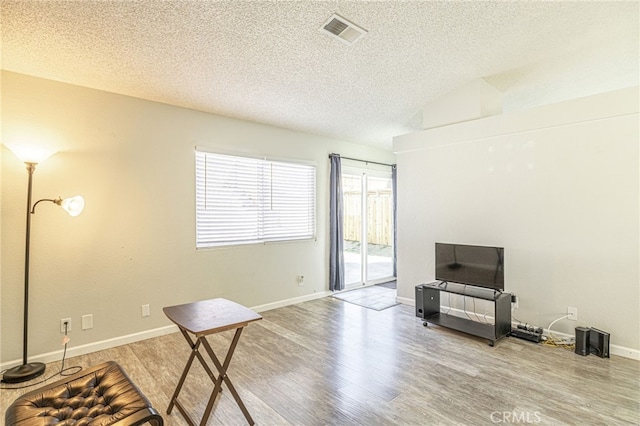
474, 265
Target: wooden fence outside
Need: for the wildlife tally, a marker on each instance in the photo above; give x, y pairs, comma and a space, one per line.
379, 217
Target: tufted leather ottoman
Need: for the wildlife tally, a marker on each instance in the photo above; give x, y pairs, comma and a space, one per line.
98, 396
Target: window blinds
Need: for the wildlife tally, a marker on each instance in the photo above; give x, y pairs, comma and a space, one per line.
241, 200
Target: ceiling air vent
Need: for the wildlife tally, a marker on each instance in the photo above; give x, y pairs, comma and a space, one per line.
346, 31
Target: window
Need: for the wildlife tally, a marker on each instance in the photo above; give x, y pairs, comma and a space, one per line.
241, 200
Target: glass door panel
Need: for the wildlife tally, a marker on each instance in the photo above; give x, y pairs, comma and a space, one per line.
352, 204
379, 259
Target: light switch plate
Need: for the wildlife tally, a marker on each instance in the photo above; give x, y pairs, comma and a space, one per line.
87, 322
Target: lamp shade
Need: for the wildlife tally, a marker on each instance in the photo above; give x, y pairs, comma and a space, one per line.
30, 153
73, 205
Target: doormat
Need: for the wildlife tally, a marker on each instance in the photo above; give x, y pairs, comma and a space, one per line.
390, 284
373, 297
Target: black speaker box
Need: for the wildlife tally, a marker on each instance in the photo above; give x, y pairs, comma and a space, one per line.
599, 342
582, 341
419, 302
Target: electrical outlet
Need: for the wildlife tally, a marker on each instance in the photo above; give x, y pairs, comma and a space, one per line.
65, 325
573, 313
145, 310
300, 280
87, 322
514, 301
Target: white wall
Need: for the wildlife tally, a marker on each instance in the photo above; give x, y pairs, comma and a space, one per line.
134, 244
556, 186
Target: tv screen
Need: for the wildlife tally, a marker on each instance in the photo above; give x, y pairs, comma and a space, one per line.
474, 265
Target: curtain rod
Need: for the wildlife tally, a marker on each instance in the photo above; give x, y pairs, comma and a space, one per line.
365, 161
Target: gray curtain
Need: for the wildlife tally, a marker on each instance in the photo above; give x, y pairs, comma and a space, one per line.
336, 257
394, 195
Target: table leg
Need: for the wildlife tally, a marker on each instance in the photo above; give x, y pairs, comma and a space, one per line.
222, 376
192, 344
194, 353
174, 398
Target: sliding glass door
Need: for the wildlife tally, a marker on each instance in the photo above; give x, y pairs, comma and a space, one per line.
368, 226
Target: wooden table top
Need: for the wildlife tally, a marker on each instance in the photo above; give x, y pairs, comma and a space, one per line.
210, 316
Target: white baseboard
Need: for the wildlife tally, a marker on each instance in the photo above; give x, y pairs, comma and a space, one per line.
292, 301
73, 351
613, 349
406, 301
625, 352
94, 347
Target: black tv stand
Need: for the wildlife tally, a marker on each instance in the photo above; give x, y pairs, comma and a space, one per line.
428, 308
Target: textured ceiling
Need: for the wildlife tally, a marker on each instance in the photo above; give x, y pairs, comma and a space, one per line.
268, 61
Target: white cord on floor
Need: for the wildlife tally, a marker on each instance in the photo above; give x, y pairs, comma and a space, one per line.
557, 339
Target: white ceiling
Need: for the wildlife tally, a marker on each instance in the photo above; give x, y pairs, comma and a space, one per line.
268, 61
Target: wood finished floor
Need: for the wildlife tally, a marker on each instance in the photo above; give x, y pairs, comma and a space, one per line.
329, 362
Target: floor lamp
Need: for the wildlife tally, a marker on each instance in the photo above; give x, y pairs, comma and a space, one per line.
74, 206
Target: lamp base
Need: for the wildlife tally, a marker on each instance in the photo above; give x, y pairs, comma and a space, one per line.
24, 372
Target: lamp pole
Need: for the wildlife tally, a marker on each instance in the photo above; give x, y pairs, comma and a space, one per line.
26, 371
31, 167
